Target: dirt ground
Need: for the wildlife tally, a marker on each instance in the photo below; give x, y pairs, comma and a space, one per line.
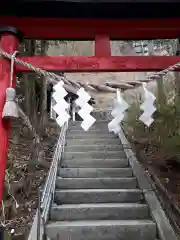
20, 220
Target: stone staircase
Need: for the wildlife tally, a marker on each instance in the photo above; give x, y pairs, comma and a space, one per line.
97, 197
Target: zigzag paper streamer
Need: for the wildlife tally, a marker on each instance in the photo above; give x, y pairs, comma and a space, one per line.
118, 112
61, 105
85, 110
148, 107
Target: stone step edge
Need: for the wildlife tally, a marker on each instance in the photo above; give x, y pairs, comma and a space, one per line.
103, 223
98, 205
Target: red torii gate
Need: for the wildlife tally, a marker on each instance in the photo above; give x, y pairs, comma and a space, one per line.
99, 20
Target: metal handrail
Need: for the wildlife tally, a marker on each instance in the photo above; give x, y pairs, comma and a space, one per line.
48, 190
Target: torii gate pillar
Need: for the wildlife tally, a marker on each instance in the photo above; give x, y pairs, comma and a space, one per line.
9, 42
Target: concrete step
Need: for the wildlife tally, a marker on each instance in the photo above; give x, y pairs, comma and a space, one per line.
98, 196
97, 123
92, 141
91, 130
94, 154
103, 211
97, 130
95, 127
96, 147
103, 230
89, 135
98, 163
96, 183
94, 172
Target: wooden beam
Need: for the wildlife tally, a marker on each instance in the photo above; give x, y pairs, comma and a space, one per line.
57, 28
100, 64
102, 46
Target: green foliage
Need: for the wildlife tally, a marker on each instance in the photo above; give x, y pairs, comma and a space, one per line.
164, 133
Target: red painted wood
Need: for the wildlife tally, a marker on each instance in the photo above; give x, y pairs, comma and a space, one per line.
102, 46
9, 44
98, 64
89, 28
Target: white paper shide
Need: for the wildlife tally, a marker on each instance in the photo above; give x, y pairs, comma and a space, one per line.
61, 105
148, 107
118, 112
86, 109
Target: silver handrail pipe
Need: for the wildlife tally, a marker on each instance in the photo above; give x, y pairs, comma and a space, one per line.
47, 197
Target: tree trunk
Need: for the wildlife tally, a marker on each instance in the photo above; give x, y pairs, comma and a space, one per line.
43, 92
177, 84
37, 154
161, 96
177, 88
28, 95
28, 80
